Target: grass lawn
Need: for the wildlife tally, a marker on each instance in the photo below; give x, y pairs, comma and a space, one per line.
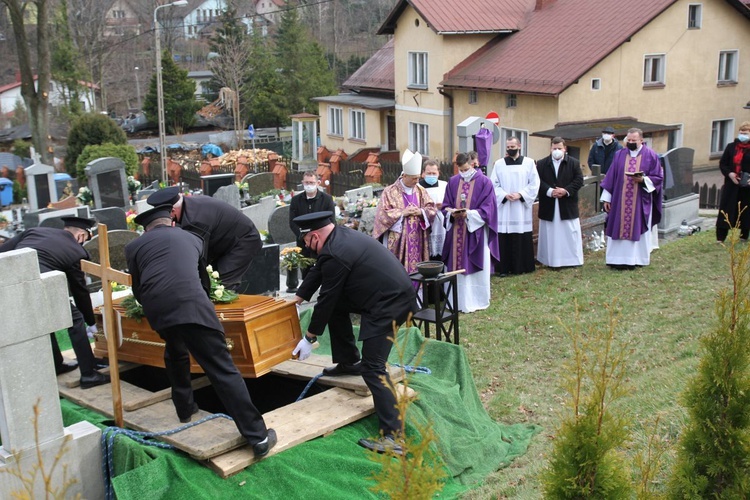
516, 347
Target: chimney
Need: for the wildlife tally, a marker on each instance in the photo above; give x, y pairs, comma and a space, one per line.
541, 4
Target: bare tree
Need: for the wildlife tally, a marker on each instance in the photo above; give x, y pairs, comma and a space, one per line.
35, 97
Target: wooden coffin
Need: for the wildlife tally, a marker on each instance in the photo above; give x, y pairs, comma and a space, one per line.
261, 332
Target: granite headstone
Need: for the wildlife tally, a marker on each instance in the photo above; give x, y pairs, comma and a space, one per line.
258, 183
678, 172
278, 226
114, 217
108, 182
40, 183
229, 194
262, 277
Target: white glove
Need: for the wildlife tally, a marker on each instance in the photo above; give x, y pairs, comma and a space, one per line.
304, 348
91, 330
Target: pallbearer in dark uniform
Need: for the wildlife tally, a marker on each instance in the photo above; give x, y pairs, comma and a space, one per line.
310, 200
62, 250
171, 282
356, 274
231, 238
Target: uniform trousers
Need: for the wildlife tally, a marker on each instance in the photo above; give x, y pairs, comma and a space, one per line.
234, 264
375, 351
209, 348
80, 343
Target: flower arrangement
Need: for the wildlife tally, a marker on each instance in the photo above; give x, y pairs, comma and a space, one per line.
217, 293
116, 287
133, 308
130, 219
3, 221
85, 196
242, 186
292, 258
263, 235
363, 203
133, 185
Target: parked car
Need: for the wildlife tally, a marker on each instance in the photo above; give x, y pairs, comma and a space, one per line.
135, 122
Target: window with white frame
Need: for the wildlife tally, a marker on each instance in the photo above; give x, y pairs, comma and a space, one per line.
653, 69
335, 121
721, 135
417, 70
419, 138
728, 66
695, 15
521, 135
472, 97
511, 101
357, 124
674, 139
596, 84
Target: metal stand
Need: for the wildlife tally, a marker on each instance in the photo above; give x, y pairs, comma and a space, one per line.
442, 312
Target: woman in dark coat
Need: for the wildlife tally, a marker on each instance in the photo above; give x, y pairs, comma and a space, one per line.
735, 161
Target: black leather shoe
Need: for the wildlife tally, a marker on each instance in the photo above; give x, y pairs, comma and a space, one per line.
343, 369
66, 367
385, 444
261, 449
96, 378
101, 363
193, 411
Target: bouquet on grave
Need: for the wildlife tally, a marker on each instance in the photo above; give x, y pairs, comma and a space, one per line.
133, 308
292, 258
85, 196
217, 293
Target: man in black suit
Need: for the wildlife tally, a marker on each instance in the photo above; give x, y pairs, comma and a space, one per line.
231, 238
310, 200
62, 250
560, 242
171, 282
356, 274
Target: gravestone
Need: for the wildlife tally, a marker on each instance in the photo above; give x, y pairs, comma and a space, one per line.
211, 183
680, 203
229, 194
114, 217
117, 241
278, 226
40, 183
53, 218
367, 221
108, 182
258, 183
262, 277
145, 193
65, 185
354, 194
261, 211
34, 306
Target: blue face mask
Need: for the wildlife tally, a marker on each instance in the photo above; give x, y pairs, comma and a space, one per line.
743, 137
431, 179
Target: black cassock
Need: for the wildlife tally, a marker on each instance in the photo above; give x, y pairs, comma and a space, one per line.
357, 274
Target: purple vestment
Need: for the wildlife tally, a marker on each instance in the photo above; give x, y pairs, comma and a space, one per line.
462, 249
631, 204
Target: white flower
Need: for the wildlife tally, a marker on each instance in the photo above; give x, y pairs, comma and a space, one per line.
209, 269
220, 288
219, 292
215, 275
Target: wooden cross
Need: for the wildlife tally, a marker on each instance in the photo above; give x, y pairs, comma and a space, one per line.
108, 275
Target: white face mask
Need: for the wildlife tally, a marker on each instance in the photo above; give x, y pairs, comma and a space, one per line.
557, 154
607, 138
467, 175
310, 189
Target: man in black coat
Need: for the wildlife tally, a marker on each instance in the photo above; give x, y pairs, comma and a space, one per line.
62, 250
356, 274
560, 243
171, 282
310, 200
230, 237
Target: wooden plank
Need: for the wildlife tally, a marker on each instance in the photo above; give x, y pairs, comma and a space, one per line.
73, 379
163, 395
299, 422
313, 366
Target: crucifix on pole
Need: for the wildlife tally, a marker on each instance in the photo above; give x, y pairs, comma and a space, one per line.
108, 275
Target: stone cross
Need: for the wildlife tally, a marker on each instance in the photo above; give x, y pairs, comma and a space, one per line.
31, 426
108, 275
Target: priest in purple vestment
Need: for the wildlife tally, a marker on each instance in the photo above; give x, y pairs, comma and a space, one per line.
405, 214
632, 196
471, 239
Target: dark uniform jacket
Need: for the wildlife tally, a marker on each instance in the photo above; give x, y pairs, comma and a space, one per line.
357, 273
569, 177
302, 205
602, 154
58, 250
220, 225
170, 278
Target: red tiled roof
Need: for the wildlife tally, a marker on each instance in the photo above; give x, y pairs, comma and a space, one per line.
560, 43
466, 16
376, 73
13, 85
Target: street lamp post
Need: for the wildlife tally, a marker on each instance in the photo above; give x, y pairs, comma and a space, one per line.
138, 88
160, 88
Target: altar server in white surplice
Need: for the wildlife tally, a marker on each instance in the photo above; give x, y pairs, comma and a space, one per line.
560, 243
436, 189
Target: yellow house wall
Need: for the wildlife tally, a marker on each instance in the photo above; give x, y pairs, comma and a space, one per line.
375, 130
690, 96
427, 106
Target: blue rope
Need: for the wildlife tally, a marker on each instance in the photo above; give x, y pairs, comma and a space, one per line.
414, 369
108, 445
307, 387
